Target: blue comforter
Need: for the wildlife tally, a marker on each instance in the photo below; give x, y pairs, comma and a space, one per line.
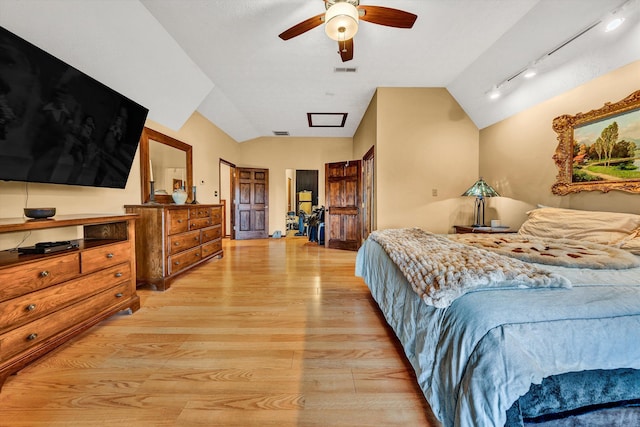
475, 358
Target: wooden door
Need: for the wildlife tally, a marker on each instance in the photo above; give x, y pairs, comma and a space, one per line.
368, 196
252, 203
342, 192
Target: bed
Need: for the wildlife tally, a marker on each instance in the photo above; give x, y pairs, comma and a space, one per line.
547, 344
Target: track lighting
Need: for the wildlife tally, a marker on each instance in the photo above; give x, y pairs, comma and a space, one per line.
614, 24
494, 93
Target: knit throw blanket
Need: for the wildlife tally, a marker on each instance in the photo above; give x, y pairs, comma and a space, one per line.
562, 252
441, 270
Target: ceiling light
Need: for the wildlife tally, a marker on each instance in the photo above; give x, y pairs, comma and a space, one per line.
494, 94
614, 24
529, 73
341, 21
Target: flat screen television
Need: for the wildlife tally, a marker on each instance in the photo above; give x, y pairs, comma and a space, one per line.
59, 125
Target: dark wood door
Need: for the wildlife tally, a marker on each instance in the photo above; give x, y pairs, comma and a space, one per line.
342, 191
252, 203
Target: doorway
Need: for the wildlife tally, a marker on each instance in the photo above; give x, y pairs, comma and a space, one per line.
303, 195
343, 229
226, 180
368, 194
251, 203
306, 190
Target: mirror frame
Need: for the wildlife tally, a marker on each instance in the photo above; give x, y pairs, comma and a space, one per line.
564, 127
145, 173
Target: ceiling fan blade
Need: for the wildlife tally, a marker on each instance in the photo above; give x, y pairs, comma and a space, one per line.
302, 27
388, 16
346, 50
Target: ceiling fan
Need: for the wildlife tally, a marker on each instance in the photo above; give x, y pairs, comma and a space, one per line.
341, 22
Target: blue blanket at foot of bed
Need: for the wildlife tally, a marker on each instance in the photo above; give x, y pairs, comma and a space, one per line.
575, 392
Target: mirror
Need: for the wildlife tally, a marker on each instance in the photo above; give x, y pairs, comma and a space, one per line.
168, 161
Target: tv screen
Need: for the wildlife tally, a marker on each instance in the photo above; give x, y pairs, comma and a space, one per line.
58, 125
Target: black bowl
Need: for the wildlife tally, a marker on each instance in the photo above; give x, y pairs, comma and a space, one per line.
39, 213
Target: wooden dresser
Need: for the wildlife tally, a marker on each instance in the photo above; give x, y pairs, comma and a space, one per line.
170, 239
46, 299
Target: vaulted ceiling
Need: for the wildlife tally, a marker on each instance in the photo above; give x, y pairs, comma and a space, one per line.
263, 84
224, 58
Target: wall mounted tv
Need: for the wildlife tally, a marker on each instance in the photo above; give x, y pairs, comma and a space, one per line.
58, 125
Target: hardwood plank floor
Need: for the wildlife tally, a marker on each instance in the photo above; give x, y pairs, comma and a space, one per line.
279, 332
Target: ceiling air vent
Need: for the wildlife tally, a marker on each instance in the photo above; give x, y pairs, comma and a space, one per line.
345, 69
281, 133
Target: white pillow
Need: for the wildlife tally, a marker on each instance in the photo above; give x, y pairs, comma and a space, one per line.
607, 228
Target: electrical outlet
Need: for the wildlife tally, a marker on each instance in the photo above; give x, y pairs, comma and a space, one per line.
434, 192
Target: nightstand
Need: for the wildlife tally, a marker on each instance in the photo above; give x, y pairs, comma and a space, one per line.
460, 229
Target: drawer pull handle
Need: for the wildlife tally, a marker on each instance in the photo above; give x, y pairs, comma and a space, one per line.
177, 243
118, 274
196, 238
32, 337
177, 262
109, 255
44, 273
31, 307
119, 295
179, 221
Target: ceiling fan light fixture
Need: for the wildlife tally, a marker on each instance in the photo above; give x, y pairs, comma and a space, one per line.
341, 21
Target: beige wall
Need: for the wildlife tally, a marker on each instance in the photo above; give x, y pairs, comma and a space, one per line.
279, 154
425, 142
367, 133
366, 136
516, 153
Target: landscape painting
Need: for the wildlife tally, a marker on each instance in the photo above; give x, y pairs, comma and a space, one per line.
607, 150
599, 150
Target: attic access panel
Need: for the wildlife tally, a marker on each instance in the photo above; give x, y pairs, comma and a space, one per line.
327, 120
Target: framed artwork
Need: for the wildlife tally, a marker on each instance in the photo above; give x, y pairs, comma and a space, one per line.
178, 184
599, 150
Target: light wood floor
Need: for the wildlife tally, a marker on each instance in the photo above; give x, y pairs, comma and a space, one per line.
279, 332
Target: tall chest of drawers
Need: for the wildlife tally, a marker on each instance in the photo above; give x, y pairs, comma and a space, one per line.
171, 239
47, 299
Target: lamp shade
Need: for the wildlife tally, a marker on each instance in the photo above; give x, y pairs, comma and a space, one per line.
481, 189
341, 21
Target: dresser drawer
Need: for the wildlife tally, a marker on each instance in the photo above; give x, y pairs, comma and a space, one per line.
35, 333
199, 212
105, 256
26, 308
216, 215
178, 220
183, 241
210, 233
211, 248
183, 260
28, 277
195, 224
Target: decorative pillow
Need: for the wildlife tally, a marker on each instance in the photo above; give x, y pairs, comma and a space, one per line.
607, 228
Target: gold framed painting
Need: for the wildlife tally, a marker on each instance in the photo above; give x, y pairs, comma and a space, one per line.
599, 150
